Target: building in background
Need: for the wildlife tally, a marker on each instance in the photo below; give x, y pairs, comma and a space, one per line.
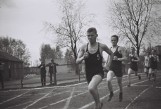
13, 67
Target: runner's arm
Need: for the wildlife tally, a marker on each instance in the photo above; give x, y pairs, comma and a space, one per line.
123, 52
80, 57
138, 59
110, 54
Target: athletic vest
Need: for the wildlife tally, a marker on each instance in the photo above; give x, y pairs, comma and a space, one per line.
132, 63
153, 61
116, 63
94, 61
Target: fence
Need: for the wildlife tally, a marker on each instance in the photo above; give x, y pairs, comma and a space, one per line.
66, 74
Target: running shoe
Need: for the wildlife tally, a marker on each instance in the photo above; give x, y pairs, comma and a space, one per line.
110, 96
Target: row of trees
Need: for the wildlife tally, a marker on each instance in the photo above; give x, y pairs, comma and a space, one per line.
47, 52
15, 48
137, 21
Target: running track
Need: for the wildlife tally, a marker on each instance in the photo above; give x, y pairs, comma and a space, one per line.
143, 94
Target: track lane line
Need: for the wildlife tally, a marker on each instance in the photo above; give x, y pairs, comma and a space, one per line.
14, 97
78, 95
145, 90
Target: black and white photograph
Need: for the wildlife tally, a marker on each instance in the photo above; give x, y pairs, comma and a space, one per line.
80, 54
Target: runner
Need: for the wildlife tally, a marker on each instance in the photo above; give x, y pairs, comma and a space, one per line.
153, 64
91, 53
146, 64
116, 66
134, 59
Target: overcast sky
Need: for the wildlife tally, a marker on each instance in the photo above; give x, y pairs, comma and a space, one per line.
23, 19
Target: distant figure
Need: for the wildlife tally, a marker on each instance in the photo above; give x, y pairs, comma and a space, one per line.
52, 69
43, 73
153, 60
146, 64
1, 74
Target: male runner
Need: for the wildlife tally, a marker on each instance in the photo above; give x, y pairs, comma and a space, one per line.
134, 59
91, 53
116, 66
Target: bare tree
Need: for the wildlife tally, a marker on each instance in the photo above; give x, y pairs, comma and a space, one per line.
72, 26
70, 30
132, 19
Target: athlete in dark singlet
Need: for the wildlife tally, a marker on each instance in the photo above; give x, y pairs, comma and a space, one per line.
93, 64
153, 60
91, 53
116, 66
134, 59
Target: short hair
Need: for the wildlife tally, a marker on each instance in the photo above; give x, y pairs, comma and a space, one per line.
115, 37
92, 29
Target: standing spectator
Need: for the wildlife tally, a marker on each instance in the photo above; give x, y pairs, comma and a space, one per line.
1, 74
43, 73
52, 70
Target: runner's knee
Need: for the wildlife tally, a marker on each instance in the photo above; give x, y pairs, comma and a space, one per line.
109, 76
91, 87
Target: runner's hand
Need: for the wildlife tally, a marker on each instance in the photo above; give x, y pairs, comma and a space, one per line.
86, 54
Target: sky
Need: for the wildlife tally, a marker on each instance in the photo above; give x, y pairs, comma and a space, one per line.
23, 19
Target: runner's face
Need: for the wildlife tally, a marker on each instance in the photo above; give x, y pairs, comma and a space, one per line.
114, 41
91, 37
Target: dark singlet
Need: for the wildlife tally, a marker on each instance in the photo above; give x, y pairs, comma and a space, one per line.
116, 66
133, 65
153, 62
93, 64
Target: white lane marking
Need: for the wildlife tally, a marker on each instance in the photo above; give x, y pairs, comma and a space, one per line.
38, 100
158, 87
89, 104
77, 95
19, 105
141, 85
85, 106
14, 97
69, 99
137, 97
58, 93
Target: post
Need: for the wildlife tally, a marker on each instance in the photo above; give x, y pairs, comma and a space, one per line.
55, 81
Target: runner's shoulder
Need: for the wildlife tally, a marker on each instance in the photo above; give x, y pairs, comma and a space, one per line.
83, 47
103, 46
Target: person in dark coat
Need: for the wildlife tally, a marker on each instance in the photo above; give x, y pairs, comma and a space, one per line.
43, 73
52, 69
